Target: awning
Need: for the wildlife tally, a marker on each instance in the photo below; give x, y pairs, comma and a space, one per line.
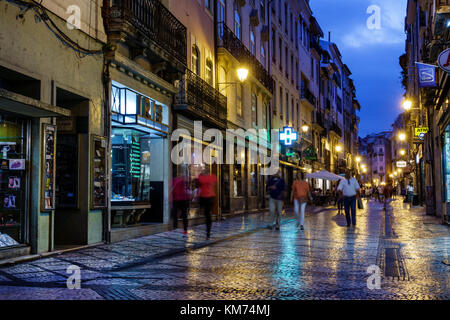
325, 175
17, 103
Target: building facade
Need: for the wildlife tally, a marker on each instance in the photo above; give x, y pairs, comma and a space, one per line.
426, 27
52, 126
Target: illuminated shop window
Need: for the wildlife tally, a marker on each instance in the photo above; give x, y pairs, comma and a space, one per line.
130, 165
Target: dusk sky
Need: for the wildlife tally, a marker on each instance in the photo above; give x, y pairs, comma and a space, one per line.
371, 55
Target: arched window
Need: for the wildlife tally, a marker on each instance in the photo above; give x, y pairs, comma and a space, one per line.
237, 24
195, 62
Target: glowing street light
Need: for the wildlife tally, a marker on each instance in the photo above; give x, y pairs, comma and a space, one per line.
338, 148
402, 152
407, 104
358, 159
242, 74
305, 128
402, 136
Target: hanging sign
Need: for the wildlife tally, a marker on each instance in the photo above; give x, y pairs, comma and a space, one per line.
402, 164
444, 60
420, 132
426, 74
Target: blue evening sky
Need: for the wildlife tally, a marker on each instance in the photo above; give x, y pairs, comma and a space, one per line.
371, 55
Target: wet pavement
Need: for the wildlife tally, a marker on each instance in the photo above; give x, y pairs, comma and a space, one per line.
246, 260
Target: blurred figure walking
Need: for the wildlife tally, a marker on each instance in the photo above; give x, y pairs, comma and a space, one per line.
349, 188
300, 195
276, 187
207, 184
387, 191
181, 195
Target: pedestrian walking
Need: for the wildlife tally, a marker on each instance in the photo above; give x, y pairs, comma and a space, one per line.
276, 188
339, 201
387, 191
181, 194
410, 193
349, 188
207, 183
300, 195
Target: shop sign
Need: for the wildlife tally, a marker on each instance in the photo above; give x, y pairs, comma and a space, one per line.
426, 75
444, 60
402, 164
288, 136
420, 132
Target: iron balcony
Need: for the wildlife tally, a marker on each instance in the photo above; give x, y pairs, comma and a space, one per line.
149, 24
197, 96
228, 40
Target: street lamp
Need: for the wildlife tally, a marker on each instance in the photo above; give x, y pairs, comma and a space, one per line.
242, 74
338, 148
358, 159
402, 136
305, 128
407, 104
402, 152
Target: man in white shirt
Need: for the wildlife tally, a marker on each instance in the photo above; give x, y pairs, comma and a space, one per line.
349, 188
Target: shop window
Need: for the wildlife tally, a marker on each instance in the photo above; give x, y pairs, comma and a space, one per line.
130, 166
13, 180
446, 164
237, 178
253, 180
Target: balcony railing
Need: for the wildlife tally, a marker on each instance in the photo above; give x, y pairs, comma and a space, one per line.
307, 95
196, 95
228, 40
319, 120
154, 21
334, 127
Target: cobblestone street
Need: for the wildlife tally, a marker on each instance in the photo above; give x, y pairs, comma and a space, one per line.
246, 260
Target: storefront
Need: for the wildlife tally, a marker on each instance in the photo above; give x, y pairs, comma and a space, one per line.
14, 179
197, 165
446, 170
139, 161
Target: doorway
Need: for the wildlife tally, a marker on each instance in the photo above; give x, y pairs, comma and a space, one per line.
71, 172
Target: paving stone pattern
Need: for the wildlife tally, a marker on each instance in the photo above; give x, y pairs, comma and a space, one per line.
247, 260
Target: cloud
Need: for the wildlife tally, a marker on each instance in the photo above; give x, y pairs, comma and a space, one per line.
391, 27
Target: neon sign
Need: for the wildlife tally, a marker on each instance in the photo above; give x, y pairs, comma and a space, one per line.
288, 136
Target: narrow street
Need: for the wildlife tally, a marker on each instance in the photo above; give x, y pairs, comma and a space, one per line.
246, 260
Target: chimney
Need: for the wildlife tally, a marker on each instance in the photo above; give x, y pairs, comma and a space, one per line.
329, 36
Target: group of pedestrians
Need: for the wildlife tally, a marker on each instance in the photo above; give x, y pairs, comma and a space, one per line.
205, 186
204, 193
348, 191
